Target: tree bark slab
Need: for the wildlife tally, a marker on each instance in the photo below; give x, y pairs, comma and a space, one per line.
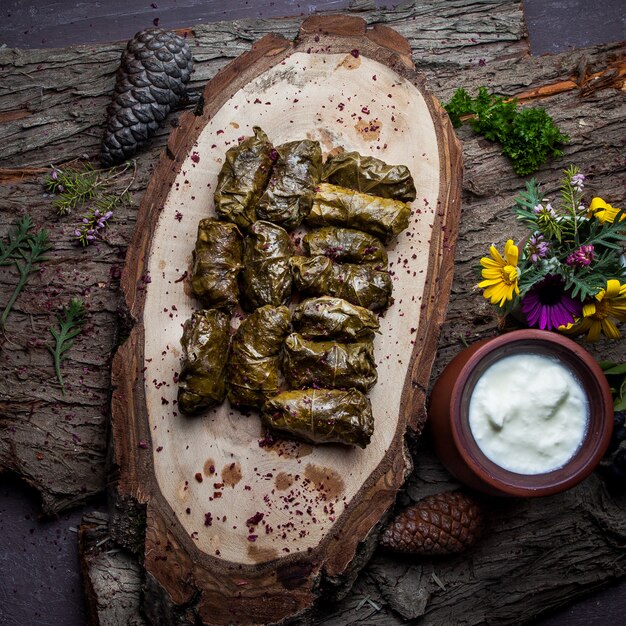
554, 550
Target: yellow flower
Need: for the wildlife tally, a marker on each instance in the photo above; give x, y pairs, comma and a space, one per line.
603, 211
500, 274
609, 302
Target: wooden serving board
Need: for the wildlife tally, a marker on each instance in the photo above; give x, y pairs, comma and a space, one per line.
200, 481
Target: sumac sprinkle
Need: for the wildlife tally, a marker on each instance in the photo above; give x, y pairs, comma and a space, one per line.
255, 519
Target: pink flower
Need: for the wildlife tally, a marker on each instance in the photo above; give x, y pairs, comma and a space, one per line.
581, 257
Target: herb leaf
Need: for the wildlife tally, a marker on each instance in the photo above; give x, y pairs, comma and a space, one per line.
528, 137
71, 323
29, 258
17, 240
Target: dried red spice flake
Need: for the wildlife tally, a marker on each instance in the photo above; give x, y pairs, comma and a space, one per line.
179, 218
217, 494
143, 444
268, 440
355, 53
253, 538
257, 101
195, 157
159, 449
219, 132
164, 400
183, 276
208, 519
188, 511
255, 519
198, 477
365, 110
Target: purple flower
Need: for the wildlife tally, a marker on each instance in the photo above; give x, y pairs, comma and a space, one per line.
581, 257
548, 305
54, 175
578, 181
547, 210
537, 248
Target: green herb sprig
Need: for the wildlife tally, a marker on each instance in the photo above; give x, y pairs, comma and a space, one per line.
89, 189
529, 137
17, 240
71, 322
25, 256
616, 375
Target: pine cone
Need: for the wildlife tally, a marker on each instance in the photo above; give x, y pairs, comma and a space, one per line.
150, 82
441, 524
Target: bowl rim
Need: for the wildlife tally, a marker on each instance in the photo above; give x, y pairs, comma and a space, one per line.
599, 428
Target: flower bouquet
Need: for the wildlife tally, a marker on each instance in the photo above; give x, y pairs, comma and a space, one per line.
570, 275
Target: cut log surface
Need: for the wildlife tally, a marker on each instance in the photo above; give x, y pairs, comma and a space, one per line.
260, 529
537, 555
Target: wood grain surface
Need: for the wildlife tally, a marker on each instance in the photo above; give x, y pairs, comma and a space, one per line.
52, 109
279, 577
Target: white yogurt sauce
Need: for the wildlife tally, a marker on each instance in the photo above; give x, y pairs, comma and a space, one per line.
528, 413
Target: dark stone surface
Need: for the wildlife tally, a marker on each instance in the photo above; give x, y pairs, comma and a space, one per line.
557, 26
40, 581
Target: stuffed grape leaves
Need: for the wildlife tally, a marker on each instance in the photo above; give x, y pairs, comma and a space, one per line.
338, 206
322, 416
359, 284
202, 379
370, 175
252, 372
334, 318
216, 264
345, 245
266, 277
288, 197
328, 364
242, 179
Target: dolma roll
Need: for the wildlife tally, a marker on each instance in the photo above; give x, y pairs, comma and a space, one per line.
266, 277
338, 206
362, 285
288, 197
242, 179
322, 416
252, 373
202, 379
334, 318
345, 245
370, 175
328, 364
216, 264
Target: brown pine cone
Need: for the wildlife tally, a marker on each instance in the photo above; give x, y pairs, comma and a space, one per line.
445, 523
151, 81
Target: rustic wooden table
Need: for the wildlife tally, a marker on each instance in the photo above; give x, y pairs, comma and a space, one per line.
537, 555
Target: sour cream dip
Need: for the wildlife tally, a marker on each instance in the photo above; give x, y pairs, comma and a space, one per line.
528, 413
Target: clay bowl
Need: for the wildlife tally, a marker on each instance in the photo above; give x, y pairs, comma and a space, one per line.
449, 405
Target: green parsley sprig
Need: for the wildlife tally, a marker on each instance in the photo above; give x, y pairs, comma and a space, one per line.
529, 137
71, 322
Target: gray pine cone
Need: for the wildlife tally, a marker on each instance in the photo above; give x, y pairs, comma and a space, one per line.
151, 81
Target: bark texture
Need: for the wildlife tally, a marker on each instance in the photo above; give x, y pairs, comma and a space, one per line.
537, 554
